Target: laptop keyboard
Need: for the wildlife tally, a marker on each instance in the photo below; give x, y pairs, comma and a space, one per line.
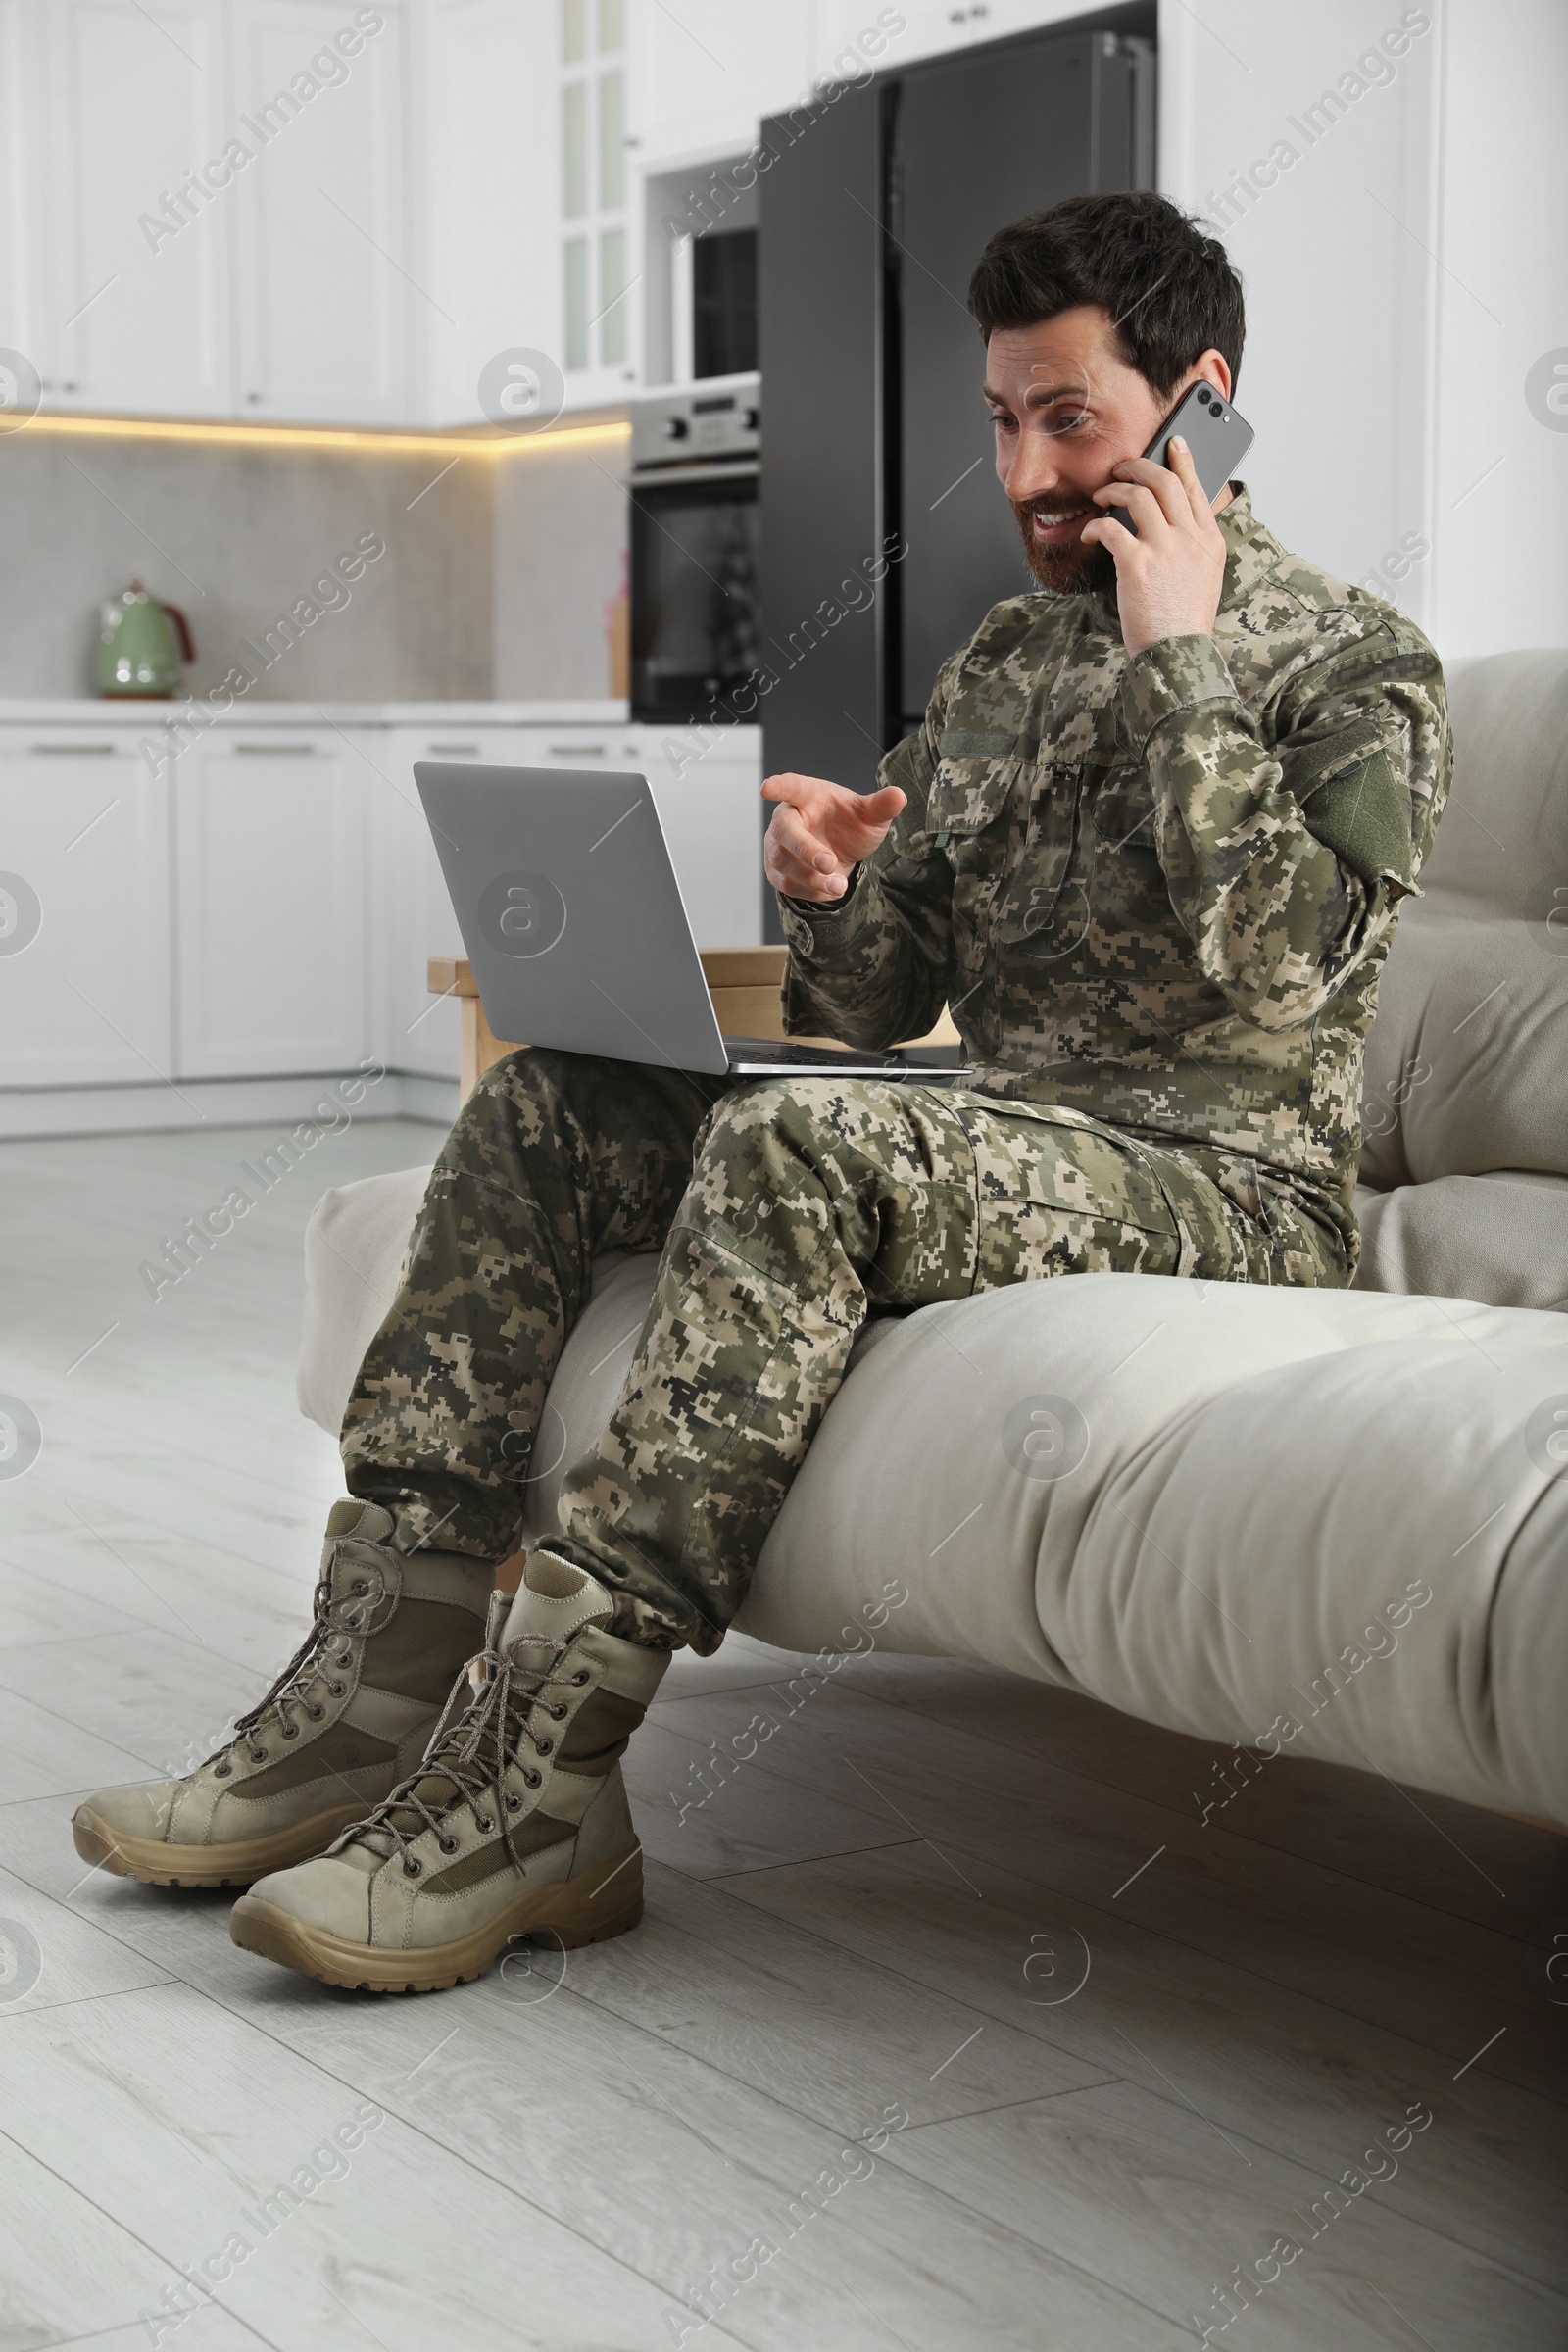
932, 1062
804, 1057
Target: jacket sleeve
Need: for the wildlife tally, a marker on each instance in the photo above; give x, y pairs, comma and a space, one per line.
1286, 865
873, 967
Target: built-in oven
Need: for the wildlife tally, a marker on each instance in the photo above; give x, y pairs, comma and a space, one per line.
694, 456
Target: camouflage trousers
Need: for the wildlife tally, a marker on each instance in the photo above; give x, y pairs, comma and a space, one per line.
784, 1211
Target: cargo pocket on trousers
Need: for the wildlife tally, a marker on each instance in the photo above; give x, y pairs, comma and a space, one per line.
1060, 1194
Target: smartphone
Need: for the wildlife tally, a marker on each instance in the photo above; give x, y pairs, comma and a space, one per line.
1218, 438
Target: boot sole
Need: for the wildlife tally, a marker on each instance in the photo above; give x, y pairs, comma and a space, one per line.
568, 1911
156, 1863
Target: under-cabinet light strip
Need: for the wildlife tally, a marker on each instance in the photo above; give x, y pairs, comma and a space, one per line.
311, 436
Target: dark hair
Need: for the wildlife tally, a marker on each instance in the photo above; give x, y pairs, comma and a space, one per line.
1170, 291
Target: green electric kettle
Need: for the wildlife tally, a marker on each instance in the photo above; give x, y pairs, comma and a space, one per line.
141, 644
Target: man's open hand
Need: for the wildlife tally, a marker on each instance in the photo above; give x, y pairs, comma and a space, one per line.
819, 833
1169, 578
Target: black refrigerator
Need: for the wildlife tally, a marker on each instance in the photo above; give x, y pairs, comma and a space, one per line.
874, 211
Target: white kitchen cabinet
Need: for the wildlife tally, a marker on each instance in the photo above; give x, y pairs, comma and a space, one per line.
315, 212
269, 829
714, 841
595, 212
411, 918
706, 73
323, 290
84, 996
490, 179
711, 808
708, 804
886, 37
125, 304
265, 909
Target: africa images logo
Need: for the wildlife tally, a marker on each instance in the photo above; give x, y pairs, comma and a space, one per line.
1547, 391
1045, 1438
523, 389
21, 1437
523, 914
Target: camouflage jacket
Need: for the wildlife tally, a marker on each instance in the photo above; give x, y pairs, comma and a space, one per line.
1156, 890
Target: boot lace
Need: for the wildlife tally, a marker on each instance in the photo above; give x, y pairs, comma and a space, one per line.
352, 1613
479, 1734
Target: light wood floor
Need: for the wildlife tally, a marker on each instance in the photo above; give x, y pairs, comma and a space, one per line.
889, 1912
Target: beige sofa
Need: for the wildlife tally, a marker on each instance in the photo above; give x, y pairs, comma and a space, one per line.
1330, 1523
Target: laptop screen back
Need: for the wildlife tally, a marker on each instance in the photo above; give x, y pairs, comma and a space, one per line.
571, 912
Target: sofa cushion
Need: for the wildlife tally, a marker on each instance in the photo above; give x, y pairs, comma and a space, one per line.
355, 1244
1230, 1494
1501, 1237
1465, 1060
1335, 1521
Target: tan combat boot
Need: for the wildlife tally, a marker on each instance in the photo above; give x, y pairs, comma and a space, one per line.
517, 1825
348, 1718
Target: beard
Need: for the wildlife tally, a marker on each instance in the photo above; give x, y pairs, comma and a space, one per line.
1075, 570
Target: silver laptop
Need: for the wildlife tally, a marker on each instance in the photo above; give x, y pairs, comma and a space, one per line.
566, 896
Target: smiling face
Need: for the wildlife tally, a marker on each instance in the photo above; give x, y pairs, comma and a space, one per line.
1068, 410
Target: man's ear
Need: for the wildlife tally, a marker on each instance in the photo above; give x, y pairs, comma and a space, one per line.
1213, 366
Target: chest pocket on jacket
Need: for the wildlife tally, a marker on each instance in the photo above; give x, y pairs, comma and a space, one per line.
976, 777
970, 818
1044, 910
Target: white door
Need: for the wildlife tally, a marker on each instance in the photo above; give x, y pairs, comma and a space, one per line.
85, 998
323, 290
127, 169
269, 921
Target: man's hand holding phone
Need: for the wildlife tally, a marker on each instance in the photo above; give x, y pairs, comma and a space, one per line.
1169, 576
819, 833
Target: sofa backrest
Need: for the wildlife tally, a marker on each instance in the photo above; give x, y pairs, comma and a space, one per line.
1467, 1062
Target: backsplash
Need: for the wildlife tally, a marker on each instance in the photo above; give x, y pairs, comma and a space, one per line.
559, 542
352, 575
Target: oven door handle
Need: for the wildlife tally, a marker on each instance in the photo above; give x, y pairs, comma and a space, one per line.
676, 477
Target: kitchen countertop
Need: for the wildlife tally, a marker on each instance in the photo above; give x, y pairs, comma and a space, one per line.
87, 711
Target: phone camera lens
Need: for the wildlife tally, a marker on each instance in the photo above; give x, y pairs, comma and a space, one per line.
1203, 400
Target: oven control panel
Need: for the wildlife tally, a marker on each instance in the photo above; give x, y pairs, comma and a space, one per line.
702, 424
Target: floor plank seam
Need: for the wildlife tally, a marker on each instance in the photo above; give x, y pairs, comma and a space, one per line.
815, 2122
1478, 2254
159, 1632
1331, 2008
87, 2000
332, 2075
1339, 1872
837, 1853
127, 2231
1038, 2098
1282, 2155
1258, 1976
70, 1724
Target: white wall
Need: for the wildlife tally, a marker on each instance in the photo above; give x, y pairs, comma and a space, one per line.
1403, 275
1499, 473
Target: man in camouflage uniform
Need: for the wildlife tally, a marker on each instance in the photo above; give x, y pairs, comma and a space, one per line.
1148, 845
